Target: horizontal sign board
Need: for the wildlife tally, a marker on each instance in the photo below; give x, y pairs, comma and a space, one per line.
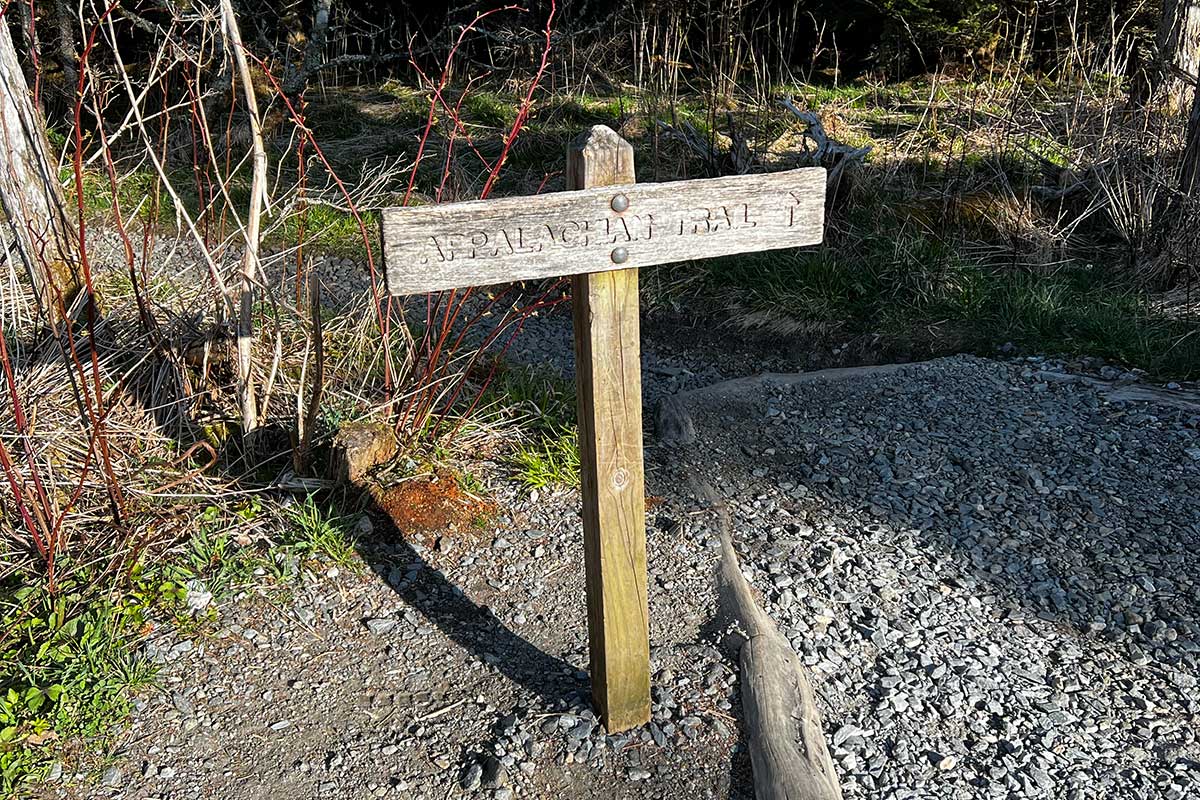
482, 242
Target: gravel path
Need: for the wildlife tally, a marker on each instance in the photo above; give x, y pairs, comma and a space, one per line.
990, 567
991, 571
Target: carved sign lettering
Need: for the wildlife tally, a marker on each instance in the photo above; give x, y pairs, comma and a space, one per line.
427, 248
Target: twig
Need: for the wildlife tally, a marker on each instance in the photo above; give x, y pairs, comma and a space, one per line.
250, 265
440, 712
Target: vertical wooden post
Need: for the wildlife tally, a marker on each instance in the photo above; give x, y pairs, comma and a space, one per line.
609, 388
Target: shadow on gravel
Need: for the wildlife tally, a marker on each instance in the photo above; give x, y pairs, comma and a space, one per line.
719, 632
473, 627
1029, 513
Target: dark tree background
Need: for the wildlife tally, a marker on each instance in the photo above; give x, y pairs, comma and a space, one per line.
817, 41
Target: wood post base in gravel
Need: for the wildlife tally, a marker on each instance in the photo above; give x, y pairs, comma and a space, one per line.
608, 369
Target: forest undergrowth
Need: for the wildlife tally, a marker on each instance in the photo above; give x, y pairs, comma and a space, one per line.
169, 420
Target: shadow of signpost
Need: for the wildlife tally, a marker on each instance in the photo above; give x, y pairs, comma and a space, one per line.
472, 627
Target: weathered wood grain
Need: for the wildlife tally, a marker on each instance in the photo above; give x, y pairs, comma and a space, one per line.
427, 248
601, 232
30, 193
788, 751
609, 390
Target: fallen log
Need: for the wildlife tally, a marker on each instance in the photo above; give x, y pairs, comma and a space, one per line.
834, 156
673, 422
788, 752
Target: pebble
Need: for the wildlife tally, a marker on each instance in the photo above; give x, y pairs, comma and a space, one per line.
472, 777
983, 558
494, 775
112, 778
380, 625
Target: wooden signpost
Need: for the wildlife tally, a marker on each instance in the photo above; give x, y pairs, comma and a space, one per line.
600, 233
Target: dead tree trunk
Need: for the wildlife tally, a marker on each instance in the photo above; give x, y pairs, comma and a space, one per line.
1189, 175
65, 23
296, 77
1175, 216
250, 263
30, 192
1178, 52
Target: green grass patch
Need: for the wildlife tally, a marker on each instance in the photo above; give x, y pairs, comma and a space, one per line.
328, 230
543, 403
336, 119
490, 109
913, 286
537, 393
134, 194
847, 95
550, 459
570, 115
69, 667
70, 662
318, 532
309, 534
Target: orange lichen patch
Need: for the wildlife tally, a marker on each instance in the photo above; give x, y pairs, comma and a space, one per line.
426, 508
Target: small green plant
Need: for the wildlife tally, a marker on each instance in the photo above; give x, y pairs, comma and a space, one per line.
149, 589
539, 395
335, 411
317, 532
69, 666
470, 483
543, 403
552, 459
212, 556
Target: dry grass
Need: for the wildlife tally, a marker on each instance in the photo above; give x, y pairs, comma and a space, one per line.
1010, 174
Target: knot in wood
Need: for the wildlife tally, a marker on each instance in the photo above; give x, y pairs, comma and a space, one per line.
620, 479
